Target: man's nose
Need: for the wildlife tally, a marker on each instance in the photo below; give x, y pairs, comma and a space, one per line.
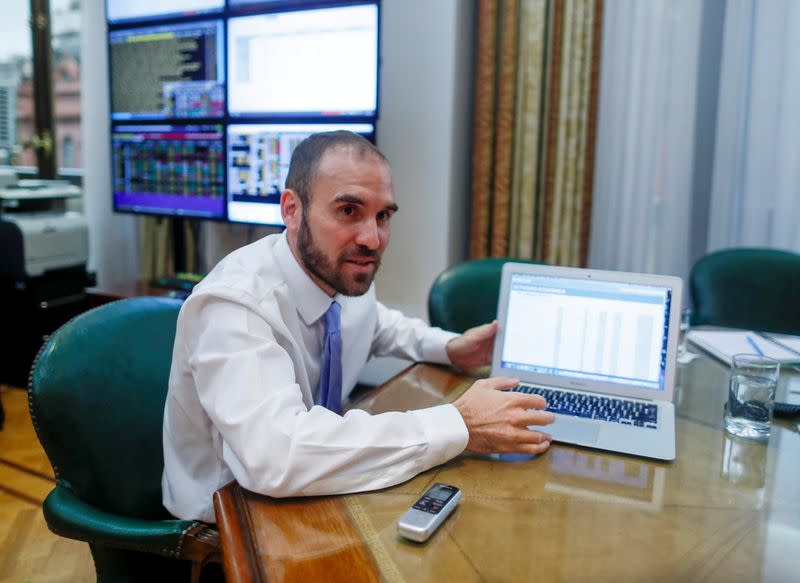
368, 235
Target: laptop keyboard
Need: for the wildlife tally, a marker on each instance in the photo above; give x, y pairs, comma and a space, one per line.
595, 406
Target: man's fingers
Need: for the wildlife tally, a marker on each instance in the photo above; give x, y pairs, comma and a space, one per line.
525, 435
530, 401
520, 399
535, 448
489, 328
500, 383
484, 331
535, 417
499, 421
527, 441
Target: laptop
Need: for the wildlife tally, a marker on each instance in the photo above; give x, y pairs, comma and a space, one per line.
600, 347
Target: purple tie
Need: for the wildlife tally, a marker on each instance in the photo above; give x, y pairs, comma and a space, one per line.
330, 377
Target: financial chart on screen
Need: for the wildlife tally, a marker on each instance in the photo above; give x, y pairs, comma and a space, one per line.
258, 162
169, 169
598, 330
209, 98
168, 71
132, 10
254, 4
335, 48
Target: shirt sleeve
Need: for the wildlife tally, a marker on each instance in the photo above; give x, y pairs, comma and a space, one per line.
272, 442
410, 338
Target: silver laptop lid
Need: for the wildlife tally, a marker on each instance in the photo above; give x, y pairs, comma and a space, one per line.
604, 331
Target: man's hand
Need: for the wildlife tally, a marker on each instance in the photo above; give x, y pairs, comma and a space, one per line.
498, 421
474, 347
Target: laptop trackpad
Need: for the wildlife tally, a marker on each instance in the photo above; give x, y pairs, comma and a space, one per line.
573, 430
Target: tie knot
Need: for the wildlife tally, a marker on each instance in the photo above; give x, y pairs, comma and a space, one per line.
333, 318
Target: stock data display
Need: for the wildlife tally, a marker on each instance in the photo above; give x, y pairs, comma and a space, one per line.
209, 98
169, 169
258, 162
589, 329
168, 72
133, 10
307, 63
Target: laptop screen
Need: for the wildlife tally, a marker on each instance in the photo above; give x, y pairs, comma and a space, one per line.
585, 329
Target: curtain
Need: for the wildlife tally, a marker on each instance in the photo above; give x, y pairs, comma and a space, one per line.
156, 248
645, 161
755, 200
698, 142
534, 129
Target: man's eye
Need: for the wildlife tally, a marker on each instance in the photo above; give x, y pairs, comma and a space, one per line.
349, 210
384, 216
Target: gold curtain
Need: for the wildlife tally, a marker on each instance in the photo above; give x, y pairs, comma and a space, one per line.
537, 81
156, 253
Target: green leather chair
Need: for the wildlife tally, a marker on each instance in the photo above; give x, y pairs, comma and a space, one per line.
465, 295
97, 392
757, 289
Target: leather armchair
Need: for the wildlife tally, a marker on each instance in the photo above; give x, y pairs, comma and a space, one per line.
757, 289
465, 295
97, 391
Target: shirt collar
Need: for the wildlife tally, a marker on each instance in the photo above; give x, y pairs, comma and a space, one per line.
311, 301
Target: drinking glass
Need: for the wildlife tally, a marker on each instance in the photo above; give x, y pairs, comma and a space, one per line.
751, 396
683, 352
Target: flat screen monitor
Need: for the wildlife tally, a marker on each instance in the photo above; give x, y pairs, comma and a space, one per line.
260, 4
258, 162
138, 10
307, 63
169, 169
170, 71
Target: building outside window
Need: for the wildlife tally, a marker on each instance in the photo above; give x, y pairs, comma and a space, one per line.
19, 135
16, 76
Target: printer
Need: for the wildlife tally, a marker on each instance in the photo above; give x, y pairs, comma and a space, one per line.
44, 247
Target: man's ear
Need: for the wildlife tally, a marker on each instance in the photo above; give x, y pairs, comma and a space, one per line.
291, 209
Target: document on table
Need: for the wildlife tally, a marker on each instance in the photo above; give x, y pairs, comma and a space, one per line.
723, 344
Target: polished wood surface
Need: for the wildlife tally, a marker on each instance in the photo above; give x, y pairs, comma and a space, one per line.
291, 541
725, 510
28, 550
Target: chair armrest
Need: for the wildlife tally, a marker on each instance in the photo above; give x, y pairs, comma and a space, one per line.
69, 516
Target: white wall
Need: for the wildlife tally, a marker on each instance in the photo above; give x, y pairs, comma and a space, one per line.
113, 251
425, 112
426, 97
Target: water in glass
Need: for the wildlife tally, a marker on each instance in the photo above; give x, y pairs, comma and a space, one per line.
750, 404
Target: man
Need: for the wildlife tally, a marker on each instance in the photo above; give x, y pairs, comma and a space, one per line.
272, 340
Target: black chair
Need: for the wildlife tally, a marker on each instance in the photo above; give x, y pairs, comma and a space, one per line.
757, 289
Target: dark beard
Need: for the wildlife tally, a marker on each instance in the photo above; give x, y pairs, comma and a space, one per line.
317, 263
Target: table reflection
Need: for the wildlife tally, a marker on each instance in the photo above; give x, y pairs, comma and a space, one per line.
744, 463
600, 477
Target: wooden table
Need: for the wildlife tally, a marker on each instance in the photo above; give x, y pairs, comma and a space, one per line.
725, 510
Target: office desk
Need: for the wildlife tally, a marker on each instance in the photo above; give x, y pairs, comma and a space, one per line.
725, 510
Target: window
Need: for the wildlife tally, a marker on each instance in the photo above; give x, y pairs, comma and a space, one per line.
65, 26
67, 158
16, 79
40, 129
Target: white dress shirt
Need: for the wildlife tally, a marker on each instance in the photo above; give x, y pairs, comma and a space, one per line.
245, 370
